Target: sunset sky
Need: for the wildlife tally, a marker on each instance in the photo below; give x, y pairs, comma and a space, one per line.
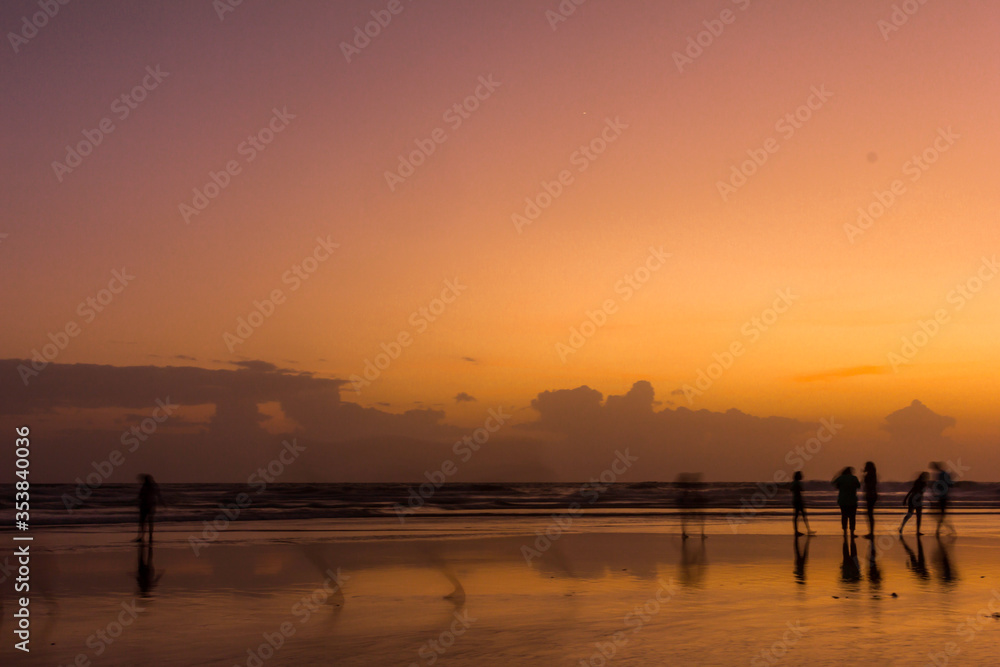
615, 110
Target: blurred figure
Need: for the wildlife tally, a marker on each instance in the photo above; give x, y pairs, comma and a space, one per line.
801, 557
798, 505
871, 496
941, 488
690, 502
145, 575
149, 498
847, 498
914, 501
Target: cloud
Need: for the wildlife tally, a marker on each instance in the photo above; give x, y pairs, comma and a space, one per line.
462, 397
917, 421
567, 435
838, 373
469, 359
677, 392
184, 357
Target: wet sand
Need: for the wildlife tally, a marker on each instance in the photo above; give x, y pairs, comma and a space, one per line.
461, 592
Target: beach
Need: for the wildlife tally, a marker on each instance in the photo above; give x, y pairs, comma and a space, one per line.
626, 590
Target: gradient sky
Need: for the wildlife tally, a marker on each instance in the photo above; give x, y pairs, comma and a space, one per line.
892, 94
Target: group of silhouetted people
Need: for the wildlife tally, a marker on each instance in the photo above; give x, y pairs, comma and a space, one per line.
848, 484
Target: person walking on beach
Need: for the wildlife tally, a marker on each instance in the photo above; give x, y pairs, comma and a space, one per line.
914, 501
941, 488
871, 496
149, 498
847, 497
798, 505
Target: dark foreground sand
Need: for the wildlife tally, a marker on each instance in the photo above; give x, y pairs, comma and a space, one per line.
460, 592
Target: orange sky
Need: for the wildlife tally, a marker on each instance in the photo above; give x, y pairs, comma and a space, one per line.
888, 98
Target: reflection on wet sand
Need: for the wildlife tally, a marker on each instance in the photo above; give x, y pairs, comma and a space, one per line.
693, 564
145, 576
850, 567
801, 557
944, 562
916, 562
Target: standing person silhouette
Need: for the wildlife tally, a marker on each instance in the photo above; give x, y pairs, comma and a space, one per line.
798, 505
149, 498
914, 501
871, 496
941, 488
847, 498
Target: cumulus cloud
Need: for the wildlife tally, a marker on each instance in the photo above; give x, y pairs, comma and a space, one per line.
566, 435
462, 397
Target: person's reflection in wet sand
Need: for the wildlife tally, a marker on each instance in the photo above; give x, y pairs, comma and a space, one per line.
801, 557
874, 574
691, 503
916, 564
314, 554
693, 564
145, 575
944, 563
850, 568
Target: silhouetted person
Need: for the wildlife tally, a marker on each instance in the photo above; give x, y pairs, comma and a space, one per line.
798, 505
149, 498
941, 488
917, 563
145, 575
847, 497
690, 502
850, 568
914, 501
801, 557
871, 495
